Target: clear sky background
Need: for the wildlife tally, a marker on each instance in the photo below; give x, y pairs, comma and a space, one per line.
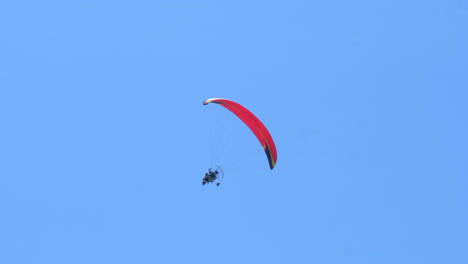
104, 139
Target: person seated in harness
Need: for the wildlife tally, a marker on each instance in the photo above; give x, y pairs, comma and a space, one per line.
210, 176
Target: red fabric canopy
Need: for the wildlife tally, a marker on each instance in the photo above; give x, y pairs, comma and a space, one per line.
257, 127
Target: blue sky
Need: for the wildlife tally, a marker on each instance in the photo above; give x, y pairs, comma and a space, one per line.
104, 138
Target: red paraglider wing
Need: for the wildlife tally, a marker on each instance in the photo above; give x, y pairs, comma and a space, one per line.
257, 127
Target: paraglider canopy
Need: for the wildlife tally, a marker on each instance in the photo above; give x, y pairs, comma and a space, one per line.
257, 127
